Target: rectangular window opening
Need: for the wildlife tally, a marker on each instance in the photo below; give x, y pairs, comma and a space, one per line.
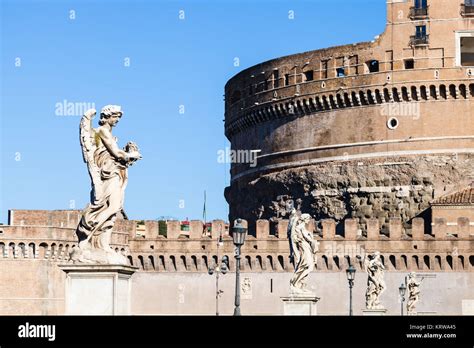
409, 64
276, 79
309, 75
467, 51
324, 69
340, 72
421, 3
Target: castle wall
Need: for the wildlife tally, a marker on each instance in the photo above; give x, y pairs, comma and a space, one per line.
173, 278
37, 288
194, 294
452, 214
327, 120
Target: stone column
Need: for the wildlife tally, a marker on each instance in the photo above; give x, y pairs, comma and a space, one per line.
93, 289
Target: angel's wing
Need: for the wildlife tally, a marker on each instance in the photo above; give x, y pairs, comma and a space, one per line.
366, 264
87, 139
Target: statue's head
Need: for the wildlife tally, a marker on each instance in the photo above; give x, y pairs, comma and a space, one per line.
305, 218
110, 114
411, 275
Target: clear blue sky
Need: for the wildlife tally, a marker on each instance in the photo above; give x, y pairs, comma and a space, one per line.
173, 62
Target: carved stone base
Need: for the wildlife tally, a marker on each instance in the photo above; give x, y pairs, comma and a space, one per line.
424, 313
300, 304
374, 312
98, 289
97, 256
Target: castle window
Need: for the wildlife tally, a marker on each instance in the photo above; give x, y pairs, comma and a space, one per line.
308, 75
467, 51
467, 9
419, 10
421, 4
421, 37
287, 79
409, 64
324, 69
373, 66
340, 72
354, 65
276, 79
420, 31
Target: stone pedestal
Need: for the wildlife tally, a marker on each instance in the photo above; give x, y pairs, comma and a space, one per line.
424, 313
374, 312
300, 305
98, 289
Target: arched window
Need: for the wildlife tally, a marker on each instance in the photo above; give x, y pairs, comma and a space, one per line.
259, 262
426, 259
194, 262
151, 261
141, 262
336, 262
269, 262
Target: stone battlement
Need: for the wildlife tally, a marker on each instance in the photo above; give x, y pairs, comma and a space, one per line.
165, 247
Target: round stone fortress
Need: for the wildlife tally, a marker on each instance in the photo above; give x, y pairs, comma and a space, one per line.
374, 129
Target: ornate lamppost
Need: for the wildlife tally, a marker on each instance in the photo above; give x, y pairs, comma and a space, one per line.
402, 290
350, 272
223, 268
239, 231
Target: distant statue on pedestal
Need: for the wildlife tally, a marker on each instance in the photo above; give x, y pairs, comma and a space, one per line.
375, 282
413, 287
303, 249
107, 165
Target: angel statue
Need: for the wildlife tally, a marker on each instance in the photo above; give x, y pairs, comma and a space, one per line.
303, 248
375, 282
413, 287
107, 165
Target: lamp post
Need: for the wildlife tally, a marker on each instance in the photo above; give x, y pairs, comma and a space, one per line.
224, 267
239, 231
402, 290
350, 272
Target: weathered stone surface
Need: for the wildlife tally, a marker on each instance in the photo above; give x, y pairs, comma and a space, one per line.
273, 192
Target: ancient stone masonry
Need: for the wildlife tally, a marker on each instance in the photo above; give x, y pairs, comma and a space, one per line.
372, 130
362, 190
444, 248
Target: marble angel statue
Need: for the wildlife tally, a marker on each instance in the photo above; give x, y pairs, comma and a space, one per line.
375, 282
413, 287
303, 249
107, 165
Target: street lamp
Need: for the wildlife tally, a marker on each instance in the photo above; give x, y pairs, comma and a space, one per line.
239, 231
402, 290
224, 267
350, 272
